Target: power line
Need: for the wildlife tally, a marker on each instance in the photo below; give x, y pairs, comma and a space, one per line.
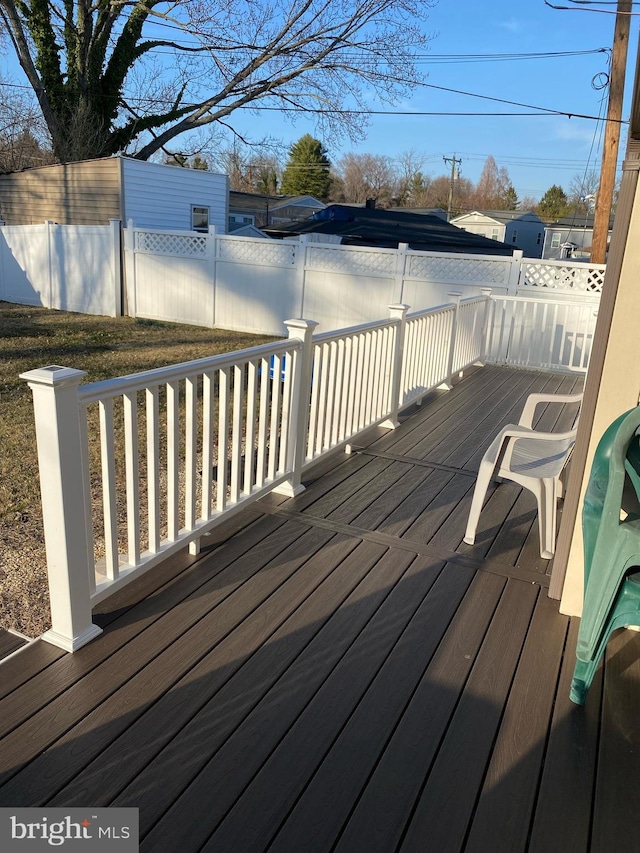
537, 111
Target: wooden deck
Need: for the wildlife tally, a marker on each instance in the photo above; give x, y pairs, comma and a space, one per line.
337, 672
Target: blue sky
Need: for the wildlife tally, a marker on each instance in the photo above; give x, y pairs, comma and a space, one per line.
537, 151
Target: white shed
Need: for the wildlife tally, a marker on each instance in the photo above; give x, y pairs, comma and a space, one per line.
92, 192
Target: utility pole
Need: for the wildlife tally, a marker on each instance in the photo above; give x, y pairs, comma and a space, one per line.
604, 198
454, 175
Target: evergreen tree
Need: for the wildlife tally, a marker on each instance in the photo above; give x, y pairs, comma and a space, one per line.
553, 204
307, 169
510, 198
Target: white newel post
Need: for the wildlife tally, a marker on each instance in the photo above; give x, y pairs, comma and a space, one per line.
398, 312
58, 435
515, 271
455, 299
487, 322
301, 330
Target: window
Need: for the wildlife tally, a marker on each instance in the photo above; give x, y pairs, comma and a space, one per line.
199, 218
555, 240
239, 220
494, 233
539, 238
514, 236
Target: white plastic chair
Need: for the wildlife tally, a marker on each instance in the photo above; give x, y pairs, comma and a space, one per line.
534, 460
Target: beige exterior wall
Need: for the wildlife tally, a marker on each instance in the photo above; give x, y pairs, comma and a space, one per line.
619, 386
86, 193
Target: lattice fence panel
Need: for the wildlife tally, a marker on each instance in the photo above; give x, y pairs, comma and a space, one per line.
348, 261
178, 245
570, 278
268, 252
454, 269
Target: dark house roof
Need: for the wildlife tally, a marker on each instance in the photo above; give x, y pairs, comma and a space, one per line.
577, 220
364, 226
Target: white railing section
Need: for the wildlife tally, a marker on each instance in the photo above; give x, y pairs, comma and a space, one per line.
428, 335
533, 332
471, 332
221, 427
181, 448
351, 384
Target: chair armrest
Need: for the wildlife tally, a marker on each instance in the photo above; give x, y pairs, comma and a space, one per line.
533, 400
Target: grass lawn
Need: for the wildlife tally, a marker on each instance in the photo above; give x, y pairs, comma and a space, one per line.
105, 347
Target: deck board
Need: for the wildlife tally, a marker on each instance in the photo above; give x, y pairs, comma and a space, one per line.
340, 672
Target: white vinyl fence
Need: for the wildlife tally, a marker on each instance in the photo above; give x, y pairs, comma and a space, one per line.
67, 267
183, 447
254, 285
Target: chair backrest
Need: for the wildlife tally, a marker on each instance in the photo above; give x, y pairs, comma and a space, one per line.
613, 481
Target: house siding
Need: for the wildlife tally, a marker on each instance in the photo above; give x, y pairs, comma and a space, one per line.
528, 228
86, 193
581, 237
158, 196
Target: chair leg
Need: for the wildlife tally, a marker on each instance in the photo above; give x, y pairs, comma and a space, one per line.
581, 681
547, 518
482, 484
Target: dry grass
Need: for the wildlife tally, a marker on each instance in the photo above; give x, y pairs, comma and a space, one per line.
105, 347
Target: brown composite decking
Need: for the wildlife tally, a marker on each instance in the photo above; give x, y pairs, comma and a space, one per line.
340, 672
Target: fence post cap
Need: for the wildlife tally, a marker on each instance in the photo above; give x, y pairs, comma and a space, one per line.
486, 291
299, 323
398, 306
54, 376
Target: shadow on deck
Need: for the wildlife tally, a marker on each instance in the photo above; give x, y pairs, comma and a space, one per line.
339, 672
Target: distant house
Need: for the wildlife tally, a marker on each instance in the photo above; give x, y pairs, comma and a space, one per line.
522, 229
91, 192
263, 210
367, 226
570, 237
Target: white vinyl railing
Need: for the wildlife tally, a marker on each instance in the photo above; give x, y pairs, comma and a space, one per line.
181, 448
549, 334
213, 410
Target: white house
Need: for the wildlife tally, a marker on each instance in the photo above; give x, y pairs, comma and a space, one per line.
570, 237
91, 192
520, 228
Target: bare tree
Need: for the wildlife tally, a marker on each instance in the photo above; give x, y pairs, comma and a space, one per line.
23, 136
412, 183
527, 202
438, 193
251, 169
494, 190
367, 176
318, 56
583, 189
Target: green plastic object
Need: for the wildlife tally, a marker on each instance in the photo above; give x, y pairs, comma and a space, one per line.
611, 546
